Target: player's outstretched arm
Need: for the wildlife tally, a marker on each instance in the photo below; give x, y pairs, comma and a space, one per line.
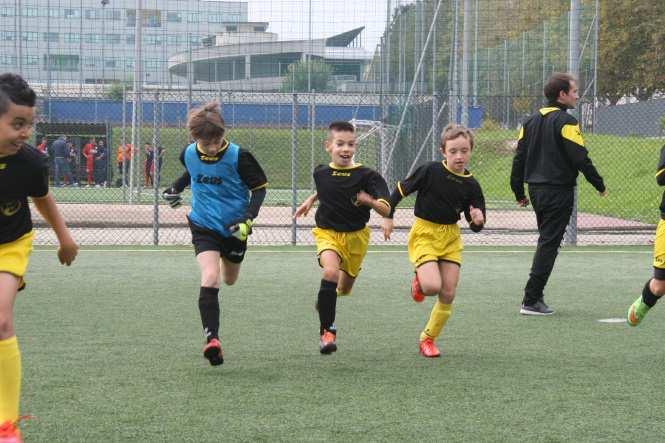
304, 208
379, 205
48, 209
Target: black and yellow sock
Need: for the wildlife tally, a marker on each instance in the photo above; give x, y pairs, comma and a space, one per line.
327, 302
209, 309
437, 320
648, 297
10, 379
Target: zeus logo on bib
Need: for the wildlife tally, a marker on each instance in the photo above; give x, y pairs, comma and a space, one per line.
209, 180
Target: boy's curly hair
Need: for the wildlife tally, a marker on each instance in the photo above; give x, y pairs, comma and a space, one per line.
13, 89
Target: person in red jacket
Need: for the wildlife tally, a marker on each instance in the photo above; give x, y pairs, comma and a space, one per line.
89, 152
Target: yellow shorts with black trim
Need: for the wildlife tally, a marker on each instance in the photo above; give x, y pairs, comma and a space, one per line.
659, 246
351, 247
430, 241
14, 256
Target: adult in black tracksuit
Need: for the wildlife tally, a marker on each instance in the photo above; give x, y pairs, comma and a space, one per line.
550, 152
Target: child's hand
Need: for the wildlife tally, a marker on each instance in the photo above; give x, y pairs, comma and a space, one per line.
67, 252
387, 227
303, 209
476, 216
523, 203
363, 199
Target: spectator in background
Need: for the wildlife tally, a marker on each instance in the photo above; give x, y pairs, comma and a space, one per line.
100, 163
42, 146
149, 163
60, 153
73, 163
122, 158
89, 152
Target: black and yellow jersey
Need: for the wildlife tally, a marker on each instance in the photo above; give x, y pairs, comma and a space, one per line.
22, 175
442, 194
660, 179
337, 189
551, 151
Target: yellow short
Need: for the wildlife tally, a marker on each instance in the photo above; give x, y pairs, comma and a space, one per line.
351, 247
14, 256
659, 246
430, 241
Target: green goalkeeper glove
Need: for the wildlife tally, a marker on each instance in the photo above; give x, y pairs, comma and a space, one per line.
172, 197
241, 230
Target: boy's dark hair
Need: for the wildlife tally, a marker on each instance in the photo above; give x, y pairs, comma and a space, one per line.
342, 126
13, 89
206, 122
558, 82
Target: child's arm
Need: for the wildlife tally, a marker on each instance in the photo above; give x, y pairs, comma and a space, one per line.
375, 195
304, 208
475, 213
660, 175
517, 172
48, 209
379, 205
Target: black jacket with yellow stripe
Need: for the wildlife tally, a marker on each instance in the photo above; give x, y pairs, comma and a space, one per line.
550, 151
660, 179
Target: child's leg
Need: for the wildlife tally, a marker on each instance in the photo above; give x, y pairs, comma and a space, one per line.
230, 271
442, 309
345, 283
10, 357
429, 277
327, 297
209, 293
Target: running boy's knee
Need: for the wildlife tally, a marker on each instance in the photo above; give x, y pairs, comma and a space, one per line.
430, 287
447, 295
657, 287
230, 280
210, 276
6, 326
330, 273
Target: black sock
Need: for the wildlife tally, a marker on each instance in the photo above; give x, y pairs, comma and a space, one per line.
327, 302
648, 297
209, 309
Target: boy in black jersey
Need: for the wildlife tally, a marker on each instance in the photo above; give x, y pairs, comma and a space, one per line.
23, 174
346, 192
655, 287
445, 189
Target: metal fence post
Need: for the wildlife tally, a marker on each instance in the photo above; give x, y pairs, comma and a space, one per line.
156, 164
294, 164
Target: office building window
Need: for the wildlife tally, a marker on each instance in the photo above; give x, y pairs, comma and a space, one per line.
7, 60
152, 39
62, 62
30, 11
72, 13
192, 17
174, 17
152, 18
92, 38
31, 60
130, 39
113, 39
30, 36
72, 37
52, 37
6, 11
215, 18
7, 36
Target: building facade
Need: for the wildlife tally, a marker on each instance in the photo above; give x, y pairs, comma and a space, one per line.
244, 56
92, 41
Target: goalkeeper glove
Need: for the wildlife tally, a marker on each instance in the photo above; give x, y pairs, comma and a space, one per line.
172, 197
241, 230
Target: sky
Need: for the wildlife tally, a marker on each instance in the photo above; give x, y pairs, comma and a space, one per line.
290, 18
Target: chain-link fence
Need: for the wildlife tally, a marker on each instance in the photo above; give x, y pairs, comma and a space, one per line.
118, 202
282, 71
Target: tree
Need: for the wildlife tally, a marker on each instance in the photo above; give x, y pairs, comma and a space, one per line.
115, 92
296, 79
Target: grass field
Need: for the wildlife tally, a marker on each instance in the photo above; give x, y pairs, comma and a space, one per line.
111, 352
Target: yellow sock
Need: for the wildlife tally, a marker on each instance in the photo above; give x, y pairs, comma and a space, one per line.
10, 379
437, 320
